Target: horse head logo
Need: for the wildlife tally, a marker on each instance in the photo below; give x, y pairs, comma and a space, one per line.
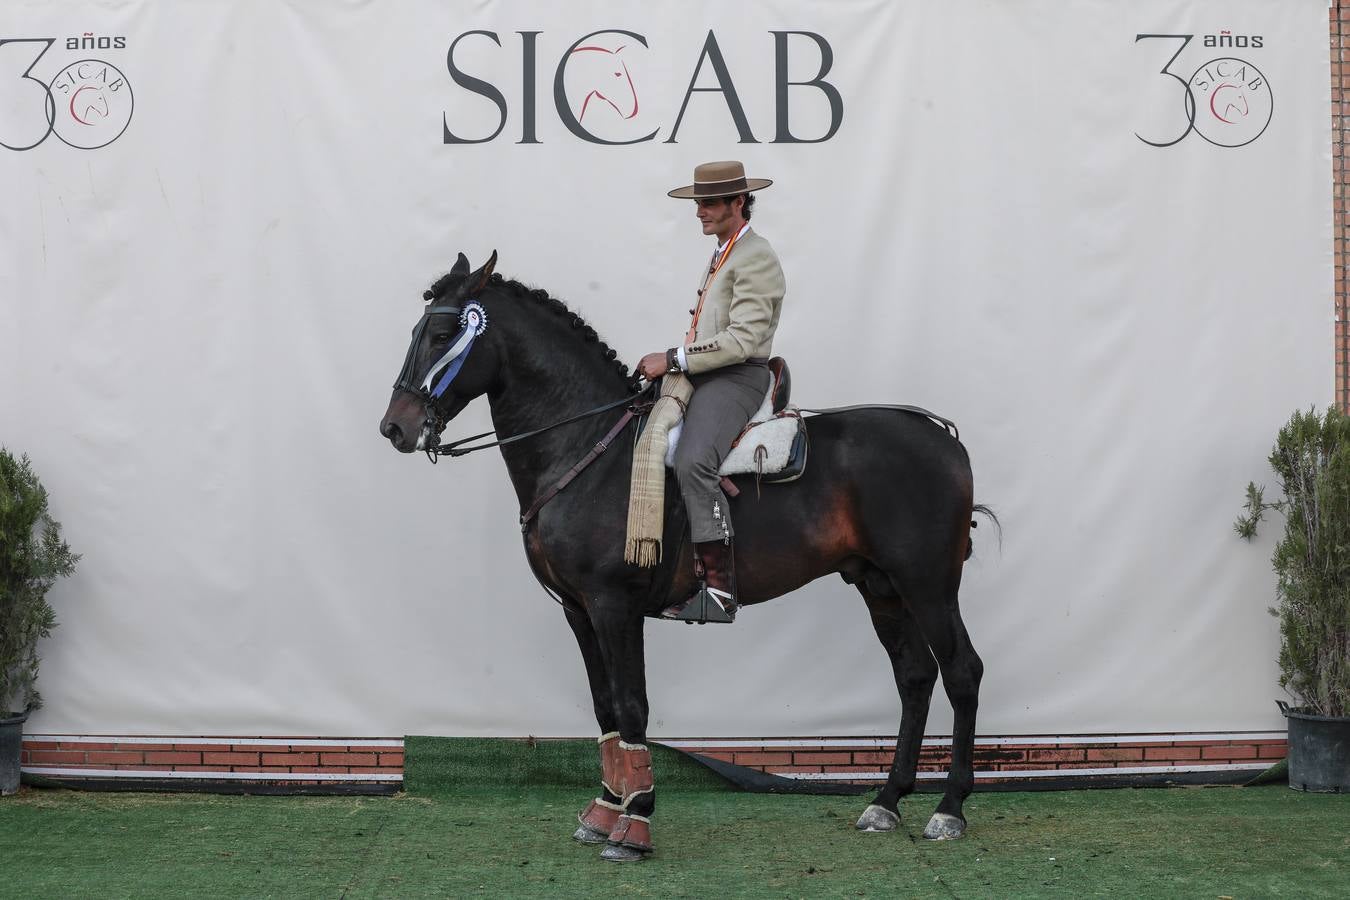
604, 77
1228, 103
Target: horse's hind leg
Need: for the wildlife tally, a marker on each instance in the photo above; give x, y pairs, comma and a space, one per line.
915, 673
597, 820
939, 617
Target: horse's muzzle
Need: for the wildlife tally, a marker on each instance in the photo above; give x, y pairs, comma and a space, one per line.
405, 423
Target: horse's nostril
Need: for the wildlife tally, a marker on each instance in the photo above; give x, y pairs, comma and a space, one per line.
391, 431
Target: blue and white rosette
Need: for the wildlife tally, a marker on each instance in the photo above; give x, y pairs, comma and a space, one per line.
474, 320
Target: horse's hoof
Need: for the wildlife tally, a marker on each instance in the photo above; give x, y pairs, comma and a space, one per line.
620, 853
877, 818
943, 827
587, 836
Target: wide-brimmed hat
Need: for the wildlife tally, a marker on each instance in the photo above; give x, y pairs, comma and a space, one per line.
719, 179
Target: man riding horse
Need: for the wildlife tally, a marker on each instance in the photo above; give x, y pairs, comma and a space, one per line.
725, 355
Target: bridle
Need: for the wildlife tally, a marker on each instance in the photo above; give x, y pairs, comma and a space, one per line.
432, 386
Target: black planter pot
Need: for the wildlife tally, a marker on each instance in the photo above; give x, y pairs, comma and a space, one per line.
11, 742
1319, 751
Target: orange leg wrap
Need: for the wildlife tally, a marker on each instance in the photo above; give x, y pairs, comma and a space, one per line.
631, 772
599, 817
634, 832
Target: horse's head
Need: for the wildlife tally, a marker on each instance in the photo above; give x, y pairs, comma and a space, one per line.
449, 361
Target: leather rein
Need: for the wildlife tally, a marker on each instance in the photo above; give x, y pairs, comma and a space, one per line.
636, 407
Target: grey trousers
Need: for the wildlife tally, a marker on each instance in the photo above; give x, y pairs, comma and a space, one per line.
724, 400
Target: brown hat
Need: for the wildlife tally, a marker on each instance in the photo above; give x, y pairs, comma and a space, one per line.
719, 179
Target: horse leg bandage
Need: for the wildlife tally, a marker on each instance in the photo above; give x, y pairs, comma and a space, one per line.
600, 816
633, 832
627, 770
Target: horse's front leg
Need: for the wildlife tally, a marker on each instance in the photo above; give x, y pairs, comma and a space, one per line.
598, 819
627, 760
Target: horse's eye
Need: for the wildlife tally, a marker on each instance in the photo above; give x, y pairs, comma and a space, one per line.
440, 338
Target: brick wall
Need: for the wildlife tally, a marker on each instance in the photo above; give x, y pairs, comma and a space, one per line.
1002, 758
1340, 118
298, 761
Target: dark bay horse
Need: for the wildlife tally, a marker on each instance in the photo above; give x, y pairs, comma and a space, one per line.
886, 502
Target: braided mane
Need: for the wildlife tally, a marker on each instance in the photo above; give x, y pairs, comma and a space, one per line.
445, 283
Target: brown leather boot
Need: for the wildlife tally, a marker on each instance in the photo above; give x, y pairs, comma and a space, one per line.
715, 599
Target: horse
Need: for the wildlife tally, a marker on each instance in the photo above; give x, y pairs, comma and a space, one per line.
886, 503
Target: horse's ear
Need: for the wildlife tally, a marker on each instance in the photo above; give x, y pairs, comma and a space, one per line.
461, 266
480, 278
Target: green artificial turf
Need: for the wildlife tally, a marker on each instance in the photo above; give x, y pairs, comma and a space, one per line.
450, 838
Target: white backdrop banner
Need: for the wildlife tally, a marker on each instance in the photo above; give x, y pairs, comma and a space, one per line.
1095, 234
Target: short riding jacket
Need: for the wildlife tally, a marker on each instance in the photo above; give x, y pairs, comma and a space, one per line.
740, 312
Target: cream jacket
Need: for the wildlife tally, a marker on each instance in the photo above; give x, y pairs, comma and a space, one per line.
740, 313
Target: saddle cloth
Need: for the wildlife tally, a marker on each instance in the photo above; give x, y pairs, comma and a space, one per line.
765, 447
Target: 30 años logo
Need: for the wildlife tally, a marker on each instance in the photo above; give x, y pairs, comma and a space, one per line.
1227, 101
87, 104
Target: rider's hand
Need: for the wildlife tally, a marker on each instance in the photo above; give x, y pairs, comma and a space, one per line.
652, 366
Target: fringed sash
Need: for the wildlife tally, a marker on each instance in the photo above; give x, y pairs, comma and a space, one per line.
647, 497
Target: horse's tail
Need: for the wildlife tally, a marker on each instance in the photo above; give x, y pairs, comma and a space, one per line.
998, 527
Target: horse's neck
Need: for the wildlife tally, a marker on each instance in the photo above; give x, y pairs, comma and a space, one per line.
536, 396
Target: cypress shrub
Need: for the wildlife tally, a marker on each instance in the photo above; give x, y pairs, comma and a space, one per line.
32, 557
1311, 458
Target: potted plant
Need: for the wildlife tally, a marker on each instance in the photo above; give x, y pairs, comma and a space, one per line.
1312, 564
32, 557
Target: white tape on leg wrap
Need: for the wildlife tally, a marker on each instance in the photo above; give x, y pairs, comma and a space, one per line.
624, 745
608, 737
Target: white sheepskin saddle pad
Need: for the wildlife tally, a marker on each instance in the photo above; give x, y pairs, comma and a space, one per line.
763, 449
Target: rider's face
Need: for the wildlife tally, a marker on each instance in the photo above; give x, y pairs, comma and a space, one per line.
718, 215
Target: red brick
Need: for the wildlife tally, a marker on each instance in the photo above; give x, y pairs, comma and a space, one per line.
261, 748
1235, 752
81, 745
349, 759
173, 758
132, 747
1056, 755
1278, 751
201, 748
113, 757
374, 770
1116, 753
227, 758
57, 757
42, 745
763, 759
318, 769
290, 759
875, 759
822, 759
396, 759
1172, 753
791, 770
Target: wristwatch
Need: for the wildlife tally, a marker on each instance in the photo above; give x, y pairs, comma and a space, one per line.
672, 361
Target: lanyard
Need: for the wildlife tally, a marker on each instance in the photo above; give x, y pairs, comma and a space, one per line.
712, 273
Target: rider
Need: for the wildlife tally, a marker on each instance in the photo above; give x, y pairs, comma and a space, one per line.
725, 354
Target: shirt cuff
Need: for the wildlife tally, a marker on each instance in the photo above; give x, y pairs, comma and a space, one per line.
679, 358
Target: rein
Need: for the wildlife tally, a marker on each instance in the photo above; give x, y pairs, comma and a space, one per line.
634, 410
454, 448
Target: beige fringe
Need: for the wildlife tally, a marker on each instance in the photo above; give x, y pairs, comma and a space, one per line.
647, 496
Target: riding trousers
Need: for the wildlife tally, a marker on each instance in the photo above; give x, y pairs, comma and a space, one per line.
724, 400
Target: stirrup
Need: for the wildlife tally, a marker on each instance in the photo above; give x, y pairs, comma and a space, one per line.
708, 605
